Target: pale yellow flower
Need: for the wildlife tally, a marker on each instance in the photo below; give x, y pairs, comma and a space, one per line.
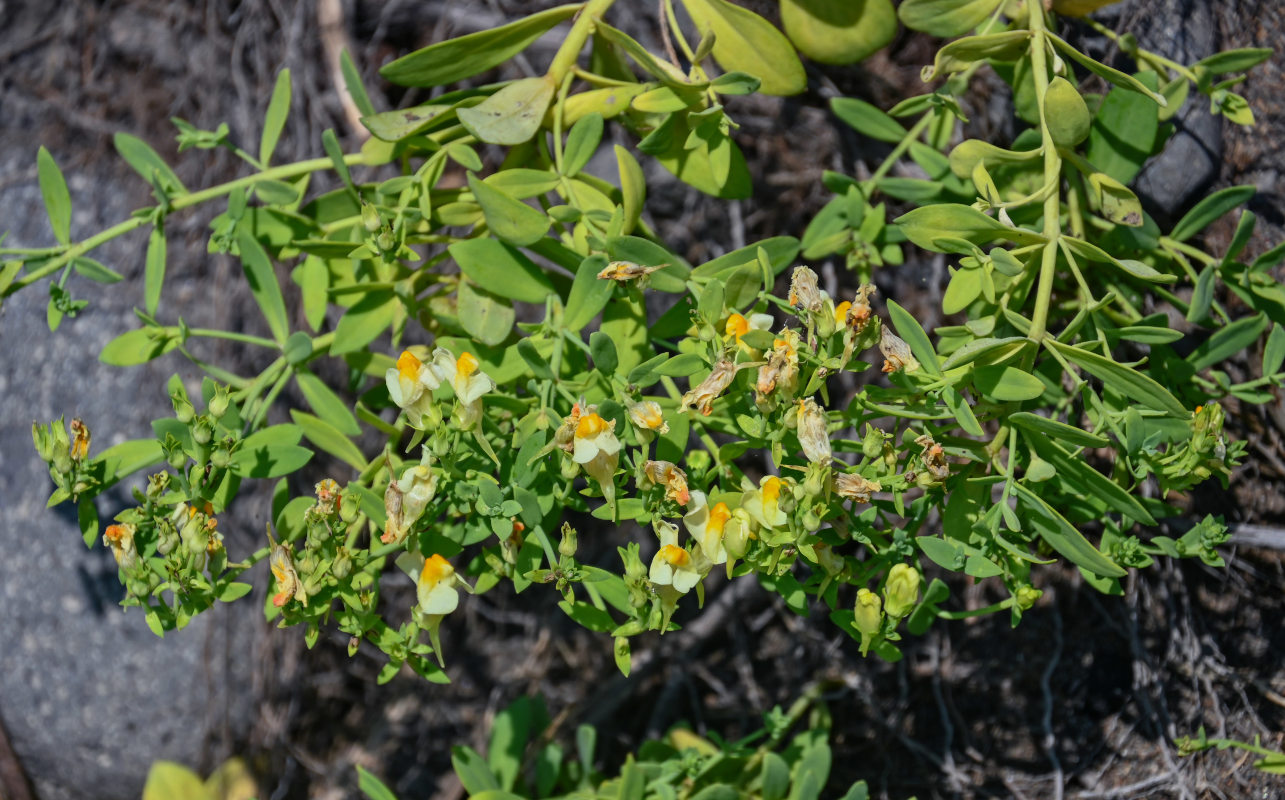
411, 385
764, 503
596, 448
706, 525
436, 593
468, 381
647, 417
672, 565
901, 590
406, 498
120, 538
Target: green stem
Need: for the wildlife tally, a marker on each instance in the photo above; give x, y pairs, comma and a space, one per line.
1052, 173
910, 138
211, 333
176, 204
569, 52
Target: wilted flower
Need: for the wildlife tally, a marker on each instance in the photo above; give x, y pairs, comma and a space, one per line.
596, 448
813, 437
406, 498
901, 590
120, 538
672, 565
79, 440
288, 583
781, 372
854, 318
706, 524
896, 353
647, 417
411, 385
625, 271
705, 393
667, 474
327, 497
564, 437
804, 292
933, 458
855, 487
764, 503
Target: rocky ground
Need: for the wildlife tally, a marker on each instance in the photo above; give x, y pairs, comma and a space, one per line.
1082, 700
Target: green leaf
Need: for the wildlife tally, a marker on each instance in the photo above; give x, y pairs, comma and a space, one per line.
1128, 382
269, 460
263, 284
774, 777
582, 143
393, 126
781, 251
1274, 351
745, 42
1007, 384
1109, 74
513, 114
330, 143
485, 316
681, 366
909, 329
234, 591
1123, 134
633, 188
925, 225
313, 280
625, 321
838, 31
1073, 471
329, 407
328, 438
867, 119
508, 218
589, 294
1210, 209
502, 270
1057, 430
96, 270
146, 162
472, 770
361, 323
603, 352
962, 53
372, 787
509, 735
275, 120
945, 18
87, 518
53, 188
521, 183
456, 59
129, 457
154, 270
137, 347
1228, 341
353, 85
1237, 60
1064, 538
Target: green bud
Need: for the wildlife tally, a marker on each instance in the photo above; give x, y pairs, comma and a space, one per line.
220, 458
1066, 113
901, 590
1026, 596
370, 218
202, 430
157, 483
385, 241
219, 402
183, 410
43, 440
567, 546
349, 506
868, 613
354, 642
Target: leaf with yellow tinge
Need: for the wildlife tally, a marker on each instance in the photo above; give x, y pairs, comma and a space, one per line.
838, 31
167, 780
513, 114
232, 781
745, 42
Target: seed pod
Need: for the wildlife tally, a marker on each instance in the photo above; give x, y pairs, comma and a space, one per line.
1066, 113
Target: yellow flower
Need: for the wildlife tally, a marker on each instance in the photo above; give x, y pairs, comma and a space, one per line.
738, 325
288, 583
855, 487
406, 498
896, 353
647, 417
764, 503
411, 385
436, 593
707, 526
596, 448
868, 617
120, 538
813, 437
468, 381
667, 474
672, 565
901, 590
704, 394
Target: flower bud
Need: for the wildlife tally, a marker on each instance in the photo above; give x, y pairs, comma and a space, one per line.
370, 218
1026, 596
567, 546
220, 458
43, 440
349, 506
219, 402
901, 590
183, 410
203, 430
868, 613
